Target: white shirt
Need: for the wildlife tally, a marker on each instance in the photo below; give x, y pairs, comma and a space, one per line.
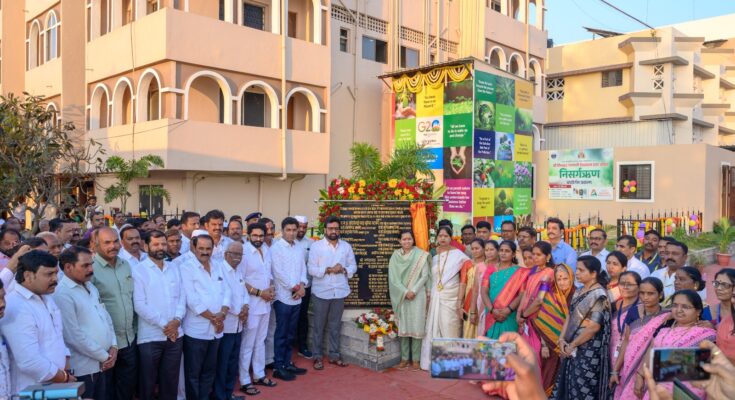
88, 329
602, 256
238, 297
203, 291
218, 251
33, 330
305, 244
289, 270
185, 244
5, 385
668, 281
257, 269
324, 255
638, 266
134, 262
157, 299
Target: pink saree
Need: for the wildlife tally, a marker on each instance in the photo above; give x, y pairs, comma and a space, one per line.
640, 339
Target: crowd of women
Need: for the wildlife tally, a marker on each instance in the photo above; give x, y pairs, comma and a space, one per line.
592, 332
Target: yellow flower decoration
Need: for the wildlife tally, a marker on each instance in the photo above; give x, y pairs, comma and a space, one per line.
406, 191
410, 197
398, 192
361, 191
355, 197
351, 190
362, 183
393, 183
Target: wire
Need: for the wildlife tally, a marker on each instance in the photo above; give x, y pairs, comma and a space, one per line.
626, 14
592, 17
144, 131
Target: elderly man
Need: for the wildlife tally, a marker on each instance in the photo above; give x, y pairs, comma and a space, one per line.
229, 347
208, 301
52, 241
88, 330
131, 246
31, 327
160, 304
113, 278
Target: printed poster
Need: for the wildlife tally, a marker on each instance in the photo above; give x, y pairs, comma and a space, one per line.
581, 174
458, 196
430, 101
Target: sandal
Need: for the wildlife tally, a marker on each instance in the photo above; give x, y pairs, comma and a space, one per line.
318, 364
338, 362
250, 390
264, 381
402, 365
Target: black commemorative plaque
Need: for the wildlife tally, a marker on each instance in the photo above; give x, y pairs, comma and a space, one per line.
372, 228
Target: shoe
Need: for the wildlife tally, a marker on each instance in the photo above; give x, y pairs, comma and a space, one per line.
402, 365
283, 374
295, 370
416, 366
270, 365
306, 353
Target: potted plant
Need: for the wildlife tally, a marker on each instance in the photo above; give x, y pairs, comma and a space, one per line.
727, 235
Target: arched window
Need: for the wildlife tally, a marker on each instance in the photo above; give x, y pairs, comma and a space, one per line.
516, 66
98, 108
259, 105
532, 13
55, 121
35, 48
535, 76
148, 99
303, 111
52, 36
122, 103
208, 98
497, 58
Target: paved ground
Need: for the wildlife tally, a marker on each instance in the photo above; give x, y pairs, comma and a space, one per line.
355, 383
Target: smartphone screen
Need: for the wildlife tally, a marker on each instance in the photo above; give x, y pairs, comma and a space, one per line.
682, 392
683, 364
471, 359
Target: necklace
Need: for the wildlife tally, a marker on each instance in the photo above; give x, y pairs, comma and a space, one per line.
440, 285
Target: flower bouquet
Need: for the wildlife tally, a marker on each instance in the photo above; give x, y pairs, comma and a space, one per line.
378, 323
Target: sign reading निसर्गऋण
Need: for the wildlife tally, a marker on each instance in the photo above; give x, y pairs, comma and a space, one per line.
581, 174
373, 229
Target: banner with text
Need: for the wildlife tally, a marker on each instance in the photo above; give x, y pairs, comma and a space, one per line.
581, 174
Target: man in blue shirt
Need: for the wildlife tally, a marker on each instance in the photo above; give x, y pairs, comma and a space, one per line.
561, 252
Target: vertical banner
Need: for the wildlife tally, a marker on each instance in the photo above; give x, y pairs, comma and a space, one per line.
477, 129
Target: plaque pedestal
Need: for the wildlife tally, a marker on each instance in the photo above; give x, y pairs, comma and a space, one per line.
356, 348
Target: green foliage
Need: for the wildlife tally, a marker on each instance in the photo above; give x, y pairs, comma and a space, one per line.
39, 159
126, 171
405, 162
524, 121
505, 92
726, 233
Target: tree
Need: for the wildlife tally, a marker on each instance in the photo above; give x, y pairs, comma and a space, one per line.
126, 172
40, 159
405, 163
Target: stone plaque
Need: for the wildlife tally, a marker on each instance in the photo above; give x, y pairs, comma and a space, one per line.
372, 228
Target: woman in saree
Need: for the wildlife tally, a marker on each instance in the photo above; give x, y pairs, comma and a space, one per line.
585, 337
408, 273
629, 283
723, 284
503, 294
469, 276
689, 278
640, 323
444, 319
538, 284
681, 331
616, 263
483, 283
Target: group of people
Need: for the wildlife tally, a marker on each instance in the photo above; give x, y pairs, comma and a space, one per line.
591, 320
184, 308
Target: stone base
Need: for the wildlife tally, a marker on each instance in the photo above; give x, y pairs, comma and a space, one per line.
356, 348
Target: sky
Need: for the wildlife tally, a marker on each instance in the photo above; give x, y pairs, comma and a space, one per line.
565, 18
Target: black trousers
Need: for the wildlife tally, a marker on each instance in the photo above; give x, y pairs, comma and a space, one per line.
94, 386
228, 356
200, 367
160, 363
302, 329
122, 379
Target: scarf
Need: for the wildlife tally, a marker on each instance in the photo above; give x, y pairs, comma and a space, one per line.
554, 310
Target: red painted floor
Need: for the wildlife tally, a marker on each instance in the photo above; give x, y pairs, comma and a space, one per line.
355, 383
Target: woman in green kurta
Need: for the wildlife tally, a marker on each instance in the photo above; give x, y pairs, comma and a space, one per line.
408, 273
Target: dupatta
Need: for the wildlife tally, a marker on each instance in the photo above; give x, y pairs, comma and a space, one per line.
510, 290
554, 310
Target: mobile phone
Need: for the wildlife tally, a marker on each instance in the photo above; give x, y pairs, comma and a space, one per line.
471, 359
682, 392
684, 364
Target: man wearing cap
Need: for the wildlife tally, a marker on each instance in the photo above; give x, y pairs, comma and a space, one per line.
302, 330
252, 218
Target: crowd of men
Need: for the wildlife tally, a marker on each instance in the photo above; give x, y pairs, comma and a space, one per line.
171, 309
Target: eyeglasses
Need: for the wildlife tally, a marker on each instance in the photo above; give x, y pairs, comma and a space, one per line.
723, 285
685, 307
628, 285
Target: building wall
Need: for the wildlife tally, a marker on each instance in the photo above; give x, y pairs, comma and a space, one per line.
686, 177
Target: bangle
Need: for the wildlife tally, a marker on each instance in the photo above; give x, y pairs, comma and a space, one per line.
257, 293
616, 373
66, 376
510, 309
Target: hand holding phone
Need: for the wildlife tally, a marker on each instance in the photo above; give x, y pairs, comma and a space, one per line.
527, 384
684, 364
474, 359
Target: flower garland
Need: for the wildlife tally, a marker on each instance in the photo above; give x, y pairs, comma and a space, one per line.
360, 189
378, 323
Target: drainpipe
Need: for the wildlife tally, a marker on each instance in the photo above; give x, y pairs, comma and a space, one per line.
284, 31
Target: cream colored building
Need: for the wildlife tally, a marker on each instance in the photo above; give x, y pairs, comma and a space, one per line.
252, 104
664, 100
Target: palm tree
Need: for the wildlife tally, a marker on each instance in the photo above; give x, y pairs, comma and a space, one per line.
126, 172
406, 162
